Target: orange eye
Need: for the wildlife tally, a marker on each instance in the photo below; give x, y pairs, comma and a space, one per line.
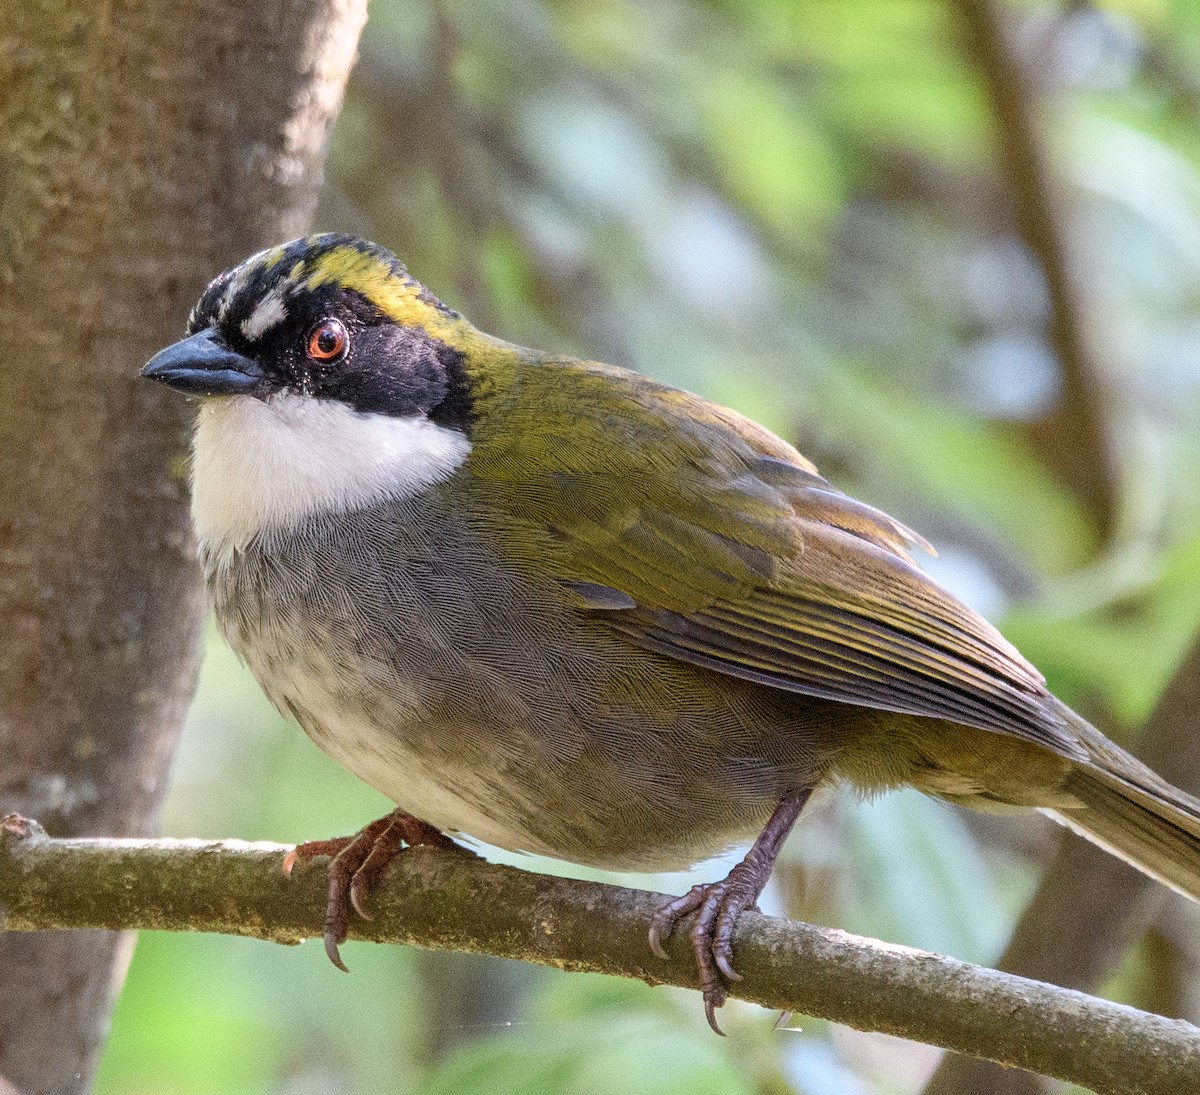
327, 341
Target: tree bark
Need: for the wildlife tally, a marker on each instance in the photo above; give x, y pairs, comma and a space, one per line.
146, 146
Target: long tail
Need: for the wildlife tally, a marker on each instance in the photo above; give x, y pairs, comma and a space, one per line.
1135, 814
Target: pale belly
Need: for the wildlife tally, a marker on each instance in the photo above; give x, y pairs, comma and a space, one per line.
487, 707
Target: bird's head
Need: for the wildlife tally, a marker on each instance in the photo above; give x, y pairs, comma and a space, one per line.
328, 317
329, 379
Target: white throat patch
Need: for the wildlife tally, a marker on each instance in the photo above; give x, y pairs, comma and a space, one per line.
261, 466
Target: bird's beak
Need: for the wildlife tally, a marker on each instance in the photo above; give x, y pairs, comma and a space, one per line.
202, 365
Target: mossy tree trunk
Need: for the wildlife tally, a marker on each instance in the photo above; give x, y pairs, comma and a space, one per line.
146, 145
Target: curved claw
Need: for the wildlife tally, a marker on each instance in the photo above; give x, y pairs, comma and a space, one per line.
311, 849
724, 962
722, 944
711, 1002
331, 949
656, 947
359, 887
663, 925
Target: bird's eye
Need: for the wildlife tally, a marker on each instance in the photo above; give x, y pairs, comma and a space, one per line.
327, 341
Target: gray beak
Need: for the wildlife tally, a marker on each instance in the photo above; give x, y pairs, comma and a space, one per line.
203, 365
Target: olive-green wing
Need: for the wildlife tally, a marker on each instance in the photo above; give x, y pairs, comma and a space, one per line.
698, 534
849, 622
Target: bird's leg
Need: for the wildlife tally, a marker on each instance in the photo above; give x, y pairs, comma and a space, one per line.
717, 906
356, 864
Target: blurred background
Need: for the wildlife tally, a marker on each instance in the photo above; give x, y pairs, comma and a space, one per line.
950, 249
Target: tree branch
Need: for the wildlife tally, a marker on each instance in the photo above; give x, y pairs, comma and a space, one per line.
441, 900
1071, 440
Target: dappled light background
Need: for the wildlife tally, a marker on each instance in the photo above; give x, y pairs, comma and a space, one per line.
950, 250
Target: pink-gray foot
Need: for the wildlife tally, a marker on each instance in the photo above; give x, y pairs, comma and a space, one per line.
356, 865
717, 906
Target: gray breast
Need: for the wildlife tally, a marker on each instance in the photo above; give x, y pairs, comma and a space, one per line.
480, 700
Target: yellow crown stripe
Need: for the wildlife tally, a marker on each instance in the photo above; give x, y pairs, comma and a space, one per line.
399, 296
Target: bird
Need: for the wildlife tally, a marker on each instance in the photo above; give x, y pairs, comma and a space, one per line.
563, 608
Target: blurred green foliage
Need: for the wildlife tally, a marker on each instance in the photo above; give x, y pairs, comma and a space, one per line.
797, 208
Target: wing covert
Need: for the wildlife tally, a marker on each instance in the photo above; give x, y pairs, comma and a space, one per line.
698, 534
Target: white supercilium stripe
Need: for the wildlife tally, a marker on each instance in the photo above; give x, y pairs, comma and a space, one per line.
268, 312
